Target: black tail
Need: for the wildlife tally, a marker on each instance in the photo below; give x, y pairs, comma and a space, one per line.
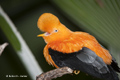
114, 65
113, 68
113, 74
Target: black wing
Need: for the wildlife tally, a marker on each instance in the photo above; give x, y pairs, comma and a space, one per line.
86, 61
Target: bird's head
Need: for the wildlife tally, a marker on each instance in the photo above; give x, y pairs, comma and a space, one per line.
52, 27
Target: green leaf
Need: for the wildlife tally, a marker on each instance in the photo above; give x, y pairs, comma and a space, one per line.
5, 27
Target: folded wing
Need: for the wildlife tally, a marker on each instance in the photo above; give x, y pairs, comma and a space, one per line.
86, 61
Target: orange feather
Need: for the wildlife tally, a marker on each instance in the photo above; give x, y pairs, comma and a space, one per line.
66, 41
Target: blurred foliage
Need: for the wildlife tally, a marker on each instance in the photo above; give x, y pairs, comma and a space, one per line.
9, 34
100, 18
10, 64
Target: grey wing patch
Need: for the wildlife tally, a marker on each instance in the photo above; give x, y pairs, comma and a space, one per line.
89, 57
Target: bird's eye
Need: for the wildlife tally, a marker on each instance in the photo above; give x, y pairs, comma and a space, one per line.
55, 30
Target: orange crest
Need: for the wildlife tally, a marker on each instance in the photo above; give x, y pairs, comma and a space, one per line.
47, 21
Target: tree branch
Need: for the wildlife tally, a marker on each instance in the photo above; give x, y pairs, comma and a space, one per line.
2, 47
54, 73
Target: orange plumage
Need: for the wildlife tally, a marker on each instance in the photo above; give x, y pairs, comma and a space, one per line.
67, 41
77, 50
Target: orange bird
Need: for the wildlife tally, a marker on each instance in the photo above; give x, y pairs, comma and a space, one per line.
78, 50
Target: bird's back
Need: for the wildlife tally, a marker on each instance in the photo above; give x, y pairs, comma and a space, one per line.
76, 41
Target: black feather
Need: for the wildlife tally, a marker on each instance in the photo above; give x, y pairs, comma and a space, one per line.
114, 65
86, 61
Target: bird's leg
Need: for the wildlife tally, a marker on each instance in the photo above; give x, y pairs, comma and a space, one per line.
76, 72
